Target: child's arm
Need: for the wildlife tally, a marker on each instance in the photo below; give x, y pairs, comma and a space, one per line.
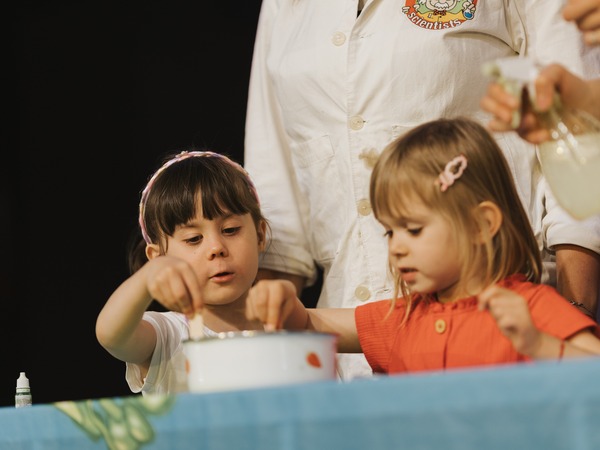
275, 303
511, 312
120, 328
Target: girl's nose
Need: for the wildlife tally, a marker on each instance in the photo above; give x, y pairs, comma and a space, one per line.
397, 246
216, 249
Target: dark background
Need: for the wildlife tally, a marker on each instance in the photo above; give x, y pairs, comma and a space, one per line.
101, 92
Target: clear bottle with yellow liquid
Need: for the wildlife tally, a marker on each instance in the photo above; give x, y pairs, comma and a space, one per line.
570, 160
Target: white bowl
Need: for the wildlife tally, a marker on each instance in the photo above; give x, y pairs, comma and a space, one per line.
252, 359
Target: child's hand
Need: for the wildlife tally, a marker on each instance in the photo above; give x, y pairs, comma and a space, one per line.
272, 302
511, 313
174, 284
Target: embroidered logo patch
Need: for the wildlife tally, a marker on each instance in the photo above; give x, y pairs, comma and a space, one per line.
439, 14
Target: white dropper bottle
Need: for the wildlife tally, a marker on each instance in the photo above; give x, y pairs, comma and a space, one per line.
23, 393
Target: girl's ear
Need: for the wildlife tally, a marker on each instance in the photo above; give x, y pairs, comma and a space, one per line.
262, 236
152, 251
490, 217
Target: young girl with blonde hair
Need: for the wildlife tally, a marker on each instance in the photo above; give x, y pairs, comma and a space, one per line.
464, 259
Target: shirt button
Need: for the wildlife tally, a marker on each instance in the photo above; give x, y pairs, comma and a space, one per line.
440, 326
338, 38
364, 207
362, 293
356, 122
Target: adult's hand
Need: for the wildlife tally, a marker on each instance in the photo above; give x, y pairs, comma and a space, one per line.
574, 92
586, 14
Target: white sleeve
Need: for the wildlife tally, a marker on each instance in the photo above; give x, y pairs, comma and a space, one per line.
267, 159
584, 233
166, 374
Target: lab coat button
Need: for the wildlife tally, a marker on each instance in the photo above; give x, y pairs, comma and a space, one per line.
356, 122
338, 38
362, 293
364, 207
440, 326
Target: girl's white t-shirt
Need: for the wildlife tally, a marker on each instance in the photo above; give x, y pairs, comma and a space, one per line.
166, 374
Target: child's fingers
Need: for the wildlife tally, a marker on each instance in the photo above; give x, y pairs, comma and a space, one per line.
196, 300
277, 296
262, 304
178, 296
266, 301
185, 289
485, 297
495, 300
173, 283
254, 304
507, 323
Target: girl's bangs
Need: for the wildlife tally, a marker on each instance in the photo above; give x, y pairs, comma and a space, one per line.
224, 199
395, 194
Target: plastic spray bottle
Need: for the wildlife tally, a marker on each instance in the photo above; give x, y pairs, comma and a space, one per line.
23, 393
570, 160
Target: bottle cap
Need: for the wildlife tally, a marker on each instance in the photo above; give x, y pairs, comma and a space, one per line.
22, 381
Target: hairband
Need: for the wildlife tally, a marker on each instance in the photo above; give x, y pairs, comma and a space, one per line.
180, 157
452, 172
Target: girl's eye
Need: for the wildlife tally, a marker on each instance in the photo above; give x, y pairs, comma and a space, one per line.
388, 234
194, 240
229, 231
414, 231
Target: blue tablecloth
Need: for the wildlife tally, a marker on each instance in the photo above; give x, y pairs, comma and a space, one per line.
546, 406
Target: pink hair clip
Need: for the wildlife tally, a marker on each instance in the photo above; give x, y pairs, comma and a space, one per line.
452, 172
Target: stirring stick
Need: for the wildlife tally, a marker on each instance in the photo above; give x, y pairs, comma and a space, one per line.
196, 326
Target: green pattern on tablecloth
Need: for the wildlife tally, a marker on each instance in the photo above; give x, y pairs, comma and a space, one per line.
124, 423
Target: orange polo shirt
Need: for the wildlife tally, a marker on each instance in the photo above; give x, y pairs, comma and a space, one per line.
451, 335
